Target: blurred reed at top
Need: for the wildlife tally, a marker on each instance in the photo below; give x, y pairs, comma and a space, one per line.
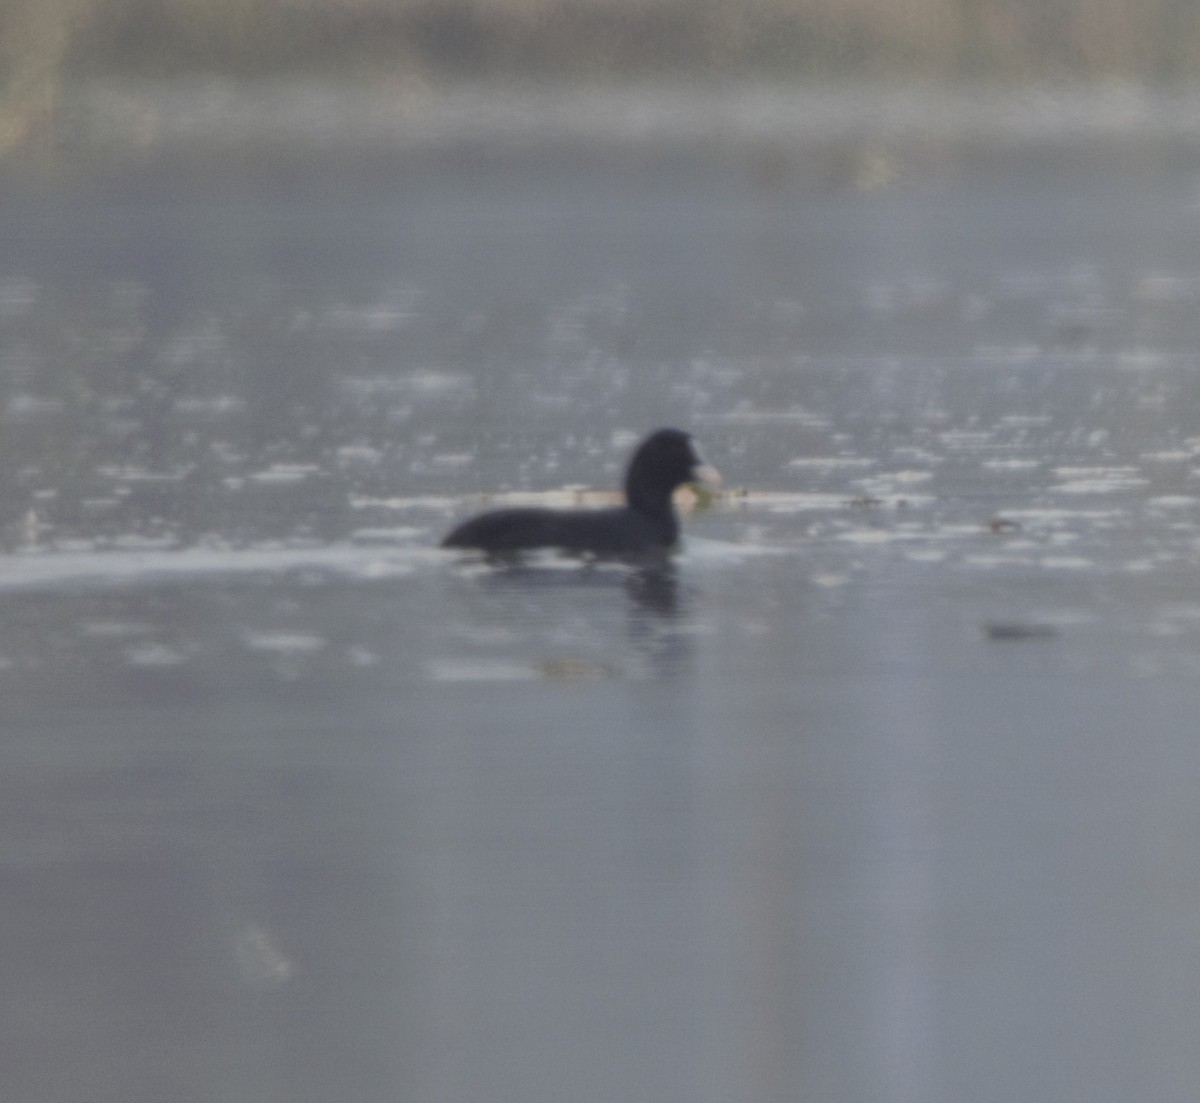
1151, 38
45, 42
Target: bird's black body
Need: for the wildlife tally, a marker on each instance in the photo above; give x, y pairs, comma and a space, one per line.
646, 525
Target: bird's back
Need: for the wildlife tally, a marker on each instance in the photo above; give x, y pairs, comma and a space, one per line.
605, 532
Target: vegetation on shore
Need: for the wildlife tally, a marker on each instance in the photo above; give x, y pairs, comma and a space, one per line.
1150, 38
44, 41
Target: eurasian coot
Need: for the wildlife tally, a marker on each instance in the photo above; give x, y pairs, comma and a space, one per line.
645, 525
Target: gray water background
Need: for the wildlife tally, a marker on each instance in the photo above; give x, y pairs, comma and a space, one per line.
885, 791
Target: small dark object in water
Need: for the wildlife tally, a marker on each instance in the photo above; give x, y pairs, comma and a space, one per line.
1014, 630
865, 502
999, 525
645, 525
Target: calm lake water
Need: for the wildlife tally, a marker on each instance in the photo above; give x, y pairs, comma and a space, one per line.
884, 791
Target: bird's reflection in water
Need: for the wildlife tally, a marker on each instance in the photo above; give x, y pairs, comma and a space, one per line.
660, 614
652, 614
652, 587
655, 589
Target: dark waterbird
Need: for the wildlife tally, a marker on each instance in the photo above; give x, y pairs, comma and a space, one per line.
645, 526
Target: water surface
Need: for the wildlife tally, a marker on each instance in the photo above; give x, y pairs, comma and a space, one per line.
883, 791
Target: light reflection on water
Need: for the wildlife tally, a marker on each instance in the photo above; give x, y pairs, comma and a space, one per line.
888, 778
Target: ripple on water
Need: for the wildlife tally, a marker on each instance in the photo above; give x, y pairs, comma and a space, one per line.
284, 643
1098, 480
82, 564
479, 670
114, 629
749, 415
829, 463
423, 383
31, 407
1010, 464
154, 655
215, 406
